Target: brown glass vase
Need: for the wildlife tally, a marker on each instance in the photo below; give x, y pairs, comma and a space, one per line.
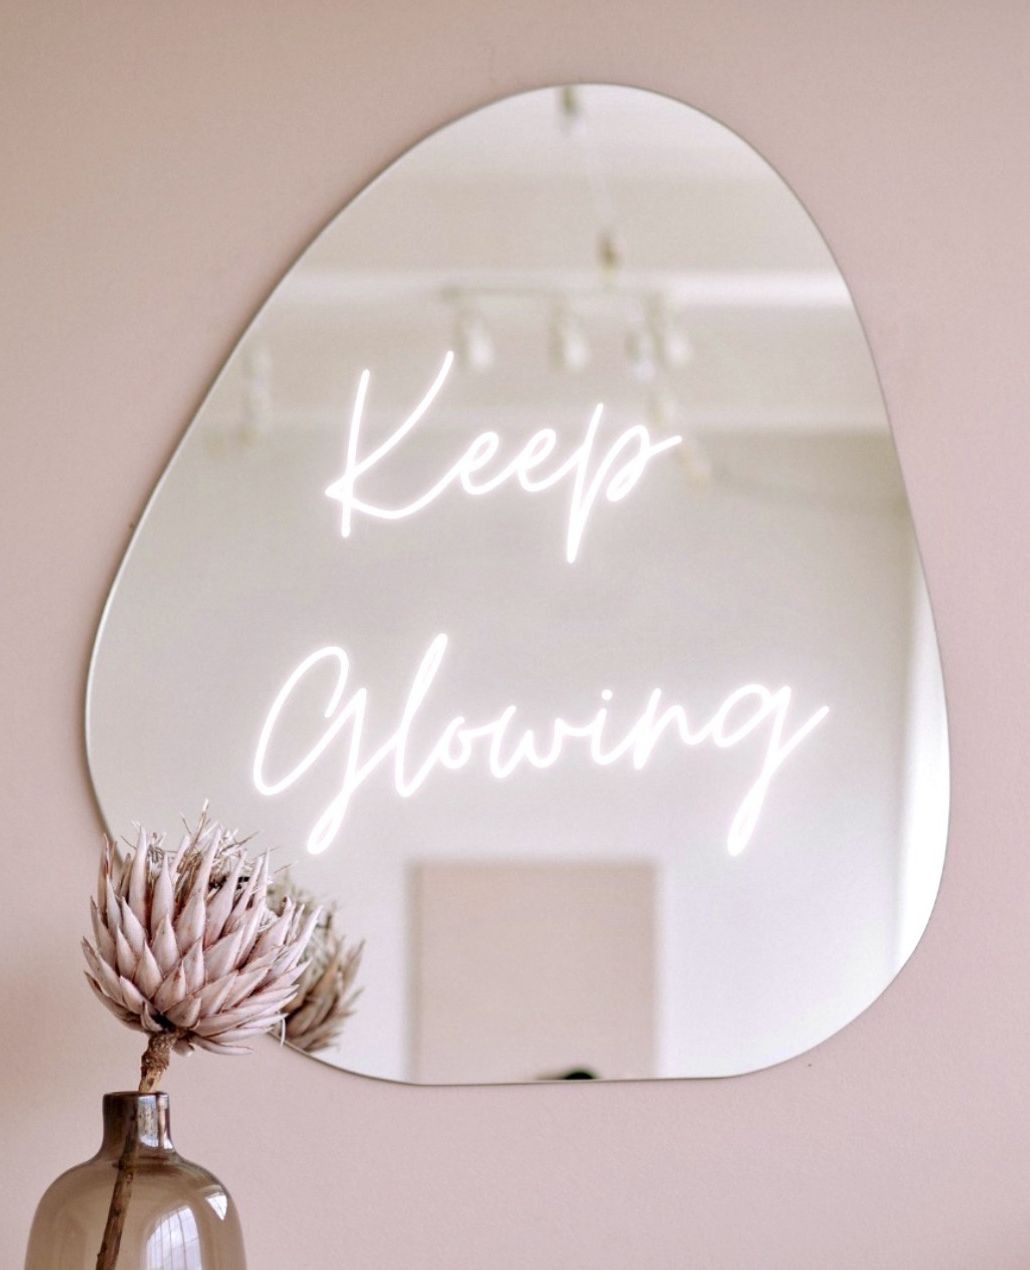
171, 1214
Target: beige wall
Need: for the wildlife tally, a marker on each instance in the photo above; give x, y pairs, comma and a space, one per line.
161, 163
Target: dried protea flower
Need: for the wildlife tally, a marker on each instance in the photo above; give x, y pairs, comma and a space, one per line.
187, 948
188, 951
325, 997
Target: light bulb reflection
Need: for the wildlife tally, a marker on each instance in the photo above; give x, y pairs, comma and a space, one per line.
473, 343
570, 346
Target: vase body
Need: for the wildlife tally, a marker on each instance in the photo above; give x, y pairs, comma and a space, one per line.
177, 1216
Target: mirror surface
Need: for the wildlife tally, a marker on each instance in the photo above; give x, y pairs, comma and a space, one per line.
538, 580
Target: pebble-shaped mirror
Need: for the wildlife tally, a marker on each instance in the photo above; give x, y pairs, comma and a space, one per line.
538, 581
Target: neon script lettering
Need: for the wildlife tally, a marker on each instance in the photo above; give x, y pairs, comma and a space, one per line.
506, 747
618, 471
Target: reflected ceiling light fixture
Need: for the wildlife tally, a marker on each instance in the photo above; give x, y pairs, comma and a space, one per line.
573, 121
642, 352
672, 343
473, 344
666, 417
570, 108
569, 342
609, 254
658, 341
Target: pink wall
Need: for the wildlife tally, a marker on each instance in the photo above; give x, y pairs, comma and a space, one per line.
162, 162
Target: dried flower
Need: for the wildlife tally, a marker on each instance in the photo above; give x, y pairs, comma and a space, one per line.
188, 951
325, 997
186, 946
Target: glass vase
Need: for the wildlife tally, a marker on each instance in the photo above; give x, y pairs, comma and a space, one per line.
167, 1214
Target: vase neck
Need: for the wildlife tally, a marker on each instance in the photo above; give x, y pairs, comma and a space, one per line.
144, 1119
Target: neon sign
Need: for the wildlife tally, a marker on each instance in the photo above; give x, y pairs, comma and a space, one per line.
616, 475
502, 744
506, 748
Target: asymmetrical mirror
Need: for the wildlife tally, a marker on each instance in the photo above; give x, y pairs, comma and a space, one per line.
538, 580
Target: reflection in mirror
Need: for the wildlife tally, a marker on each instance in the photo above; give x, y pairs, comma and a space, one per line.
539, 580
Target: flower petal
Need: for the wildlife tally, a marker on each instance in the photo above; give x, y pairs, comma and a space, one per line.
103, 873
244, 983
112, 915
250, 928
189, 925
148, 973
132, 997
172, 991
124, 956
138, 878
274, 936
222, 957
212, 996
255, 884
92, 959
193, 965
166, 951
186, 1013
215, 1048
107, 978
162, 904
132, 928
119, 1012
101, 934
202, 878
220, 906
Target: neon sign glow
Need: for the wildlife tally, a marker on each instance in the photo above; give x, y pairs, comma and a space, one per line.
616, 475
506, 749
501, 743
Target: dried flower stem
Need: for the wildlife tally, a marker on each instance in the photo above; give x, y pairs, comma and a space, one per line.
153, 1066
156, 1056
